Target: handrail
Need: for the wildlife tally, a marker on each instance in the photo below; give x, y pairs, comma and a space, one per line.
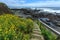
55, 31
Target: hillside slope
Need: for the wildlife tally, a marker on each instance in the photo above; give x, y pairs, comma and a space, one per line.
4, 9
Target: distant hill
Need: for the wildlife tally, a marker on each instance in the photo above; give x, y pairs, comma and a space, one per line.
4, 9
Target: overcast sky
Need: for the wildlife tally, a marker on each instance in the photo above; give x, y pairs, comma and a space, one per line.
32, 3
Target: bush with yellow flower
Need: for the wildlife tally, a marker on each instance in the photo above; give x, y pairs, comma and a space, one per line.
15, 28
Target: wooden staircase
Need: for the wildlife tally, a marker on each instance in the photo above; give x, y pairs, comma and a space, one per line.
36, 35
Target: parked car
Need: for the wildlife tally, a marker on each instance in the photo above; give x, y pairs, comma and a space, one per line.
46, 20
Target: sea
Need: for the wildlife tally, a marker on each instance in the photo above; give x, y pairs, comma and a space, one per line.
50, 9
54, 8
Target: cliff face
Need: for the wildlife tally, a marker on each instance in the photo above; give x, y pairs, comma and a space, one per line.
4, 9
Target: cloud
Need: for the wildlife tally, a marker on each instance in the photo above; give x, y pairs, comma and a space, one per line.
43, 4
35, 3
13, 2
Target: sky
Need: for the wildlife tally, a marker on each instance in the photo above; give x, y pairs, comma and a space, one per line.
32, 3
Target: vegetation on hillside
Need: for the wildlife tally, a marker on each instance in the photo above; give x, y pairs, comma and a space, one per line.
4, 9
48, 35
15, 28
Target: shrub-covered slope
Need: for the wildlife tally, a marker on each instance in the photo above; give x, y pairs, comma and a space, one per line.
15, 28
4, 9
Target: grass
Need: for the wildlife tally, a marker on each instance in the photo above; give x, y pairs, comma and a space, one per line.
48, 35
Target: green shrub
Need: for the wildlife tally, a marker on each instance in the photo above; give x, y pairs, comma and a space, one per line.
14, 28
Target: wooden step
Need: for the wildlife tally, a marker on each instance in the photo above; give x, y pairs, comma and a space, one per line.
36, 32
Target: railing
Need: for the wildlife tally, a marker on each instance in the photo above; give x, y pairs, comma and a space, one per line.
52, 29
